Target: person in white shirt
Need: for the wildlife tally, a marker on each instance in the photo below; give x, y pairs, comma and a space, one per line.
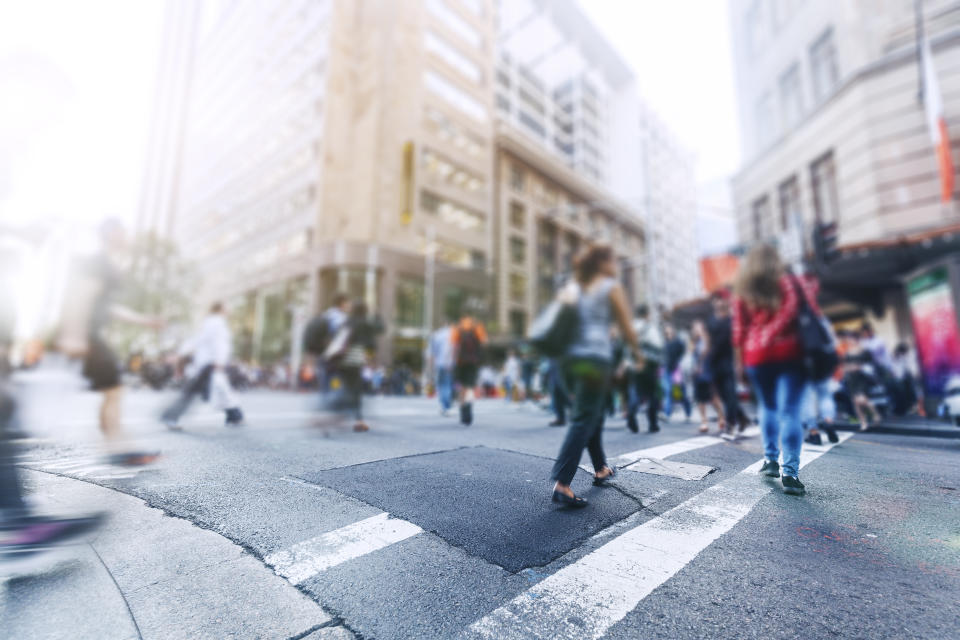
511, 374
210, 349
442, 361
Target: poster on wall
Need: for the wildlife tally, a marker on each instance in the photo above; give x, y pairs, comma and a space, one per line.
935, 327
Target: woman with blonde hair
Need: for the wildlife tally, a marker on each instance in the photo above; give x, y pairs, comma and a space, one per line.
767, 346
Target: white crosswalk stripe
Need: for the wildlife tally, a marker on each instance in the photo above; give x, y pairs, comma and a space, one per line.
306, 559
586, 598
88, 467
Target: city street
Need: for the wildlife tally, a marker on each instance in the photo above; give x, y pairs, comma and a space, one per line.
422, 528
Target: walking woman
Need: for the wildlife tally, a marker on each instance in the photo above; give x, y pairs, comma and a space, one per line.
588, 367
702, 381
768, 346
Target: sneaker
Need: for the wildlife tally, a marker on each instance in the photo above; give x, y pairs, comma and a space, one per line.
729, 437
814, 438
32, 535
793, 486
770, 469
831, 434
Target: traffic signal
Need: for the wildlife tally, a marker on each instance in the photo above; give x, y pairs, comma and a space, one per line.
825, 242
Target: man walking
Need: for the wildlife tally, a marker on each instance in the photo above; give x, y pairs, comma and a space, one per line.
469, 337
441, 360
645, 380
210, 350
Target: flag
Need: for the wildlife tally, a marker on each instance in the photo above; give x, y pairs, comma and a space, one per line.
937, 124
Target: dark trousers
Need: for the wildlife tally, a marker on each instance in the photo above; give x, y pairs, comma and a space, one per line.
645, 387
588, 381
725, 386
348, 399
11, 497
559, 398
199, 385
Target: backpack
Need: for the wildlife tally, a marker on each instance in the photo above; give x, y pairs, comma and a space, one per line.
317, 335
469, 351
816, 339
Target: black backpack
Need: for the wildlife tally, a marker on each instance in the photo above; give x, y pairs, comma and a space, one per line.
469, 349
816, 338
317, 335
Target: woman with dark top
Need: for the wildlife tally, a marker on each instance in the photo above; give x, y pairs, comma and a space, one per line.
588, 366
768, 346
362, 332
702, 378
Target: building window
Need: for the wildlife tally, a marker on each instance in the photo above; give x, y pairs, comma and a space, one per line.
451, 213
823, 182
755, 27
532, 124
518, 251
409, 302
791, 96
446, 130
760, 211
455, 95
518, 216
503, 103
823, 66
764, 116
517, 178
518, 288
452, 20
436, 44
438, 167
789, 194
518, 323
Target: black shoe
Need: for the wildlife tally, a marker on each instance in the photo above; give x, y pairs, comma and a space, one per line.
575, 502
831, 434
814, 438
632, 424
558, 423
653, 429
604, 481
770, 469
466, 414
793, 486
234, 417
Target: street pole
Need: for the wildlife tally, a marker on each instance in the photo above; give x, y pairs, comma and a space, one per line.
428, 285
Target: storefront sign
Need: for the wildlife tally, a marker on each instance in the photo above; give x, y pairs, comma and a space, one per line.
934, 316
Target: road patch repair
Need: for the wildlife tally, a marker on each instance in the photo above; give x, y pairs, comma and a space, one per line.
493, 504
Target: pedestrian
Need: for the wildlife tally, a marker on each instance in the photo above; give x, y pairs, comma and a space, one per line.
527, 371
89, 309
702, 374
441, 360
469, 338
644, 376
210, 352
768, 348
902, 369
858, 379
511, 374
673, 383
345, 358
321, 330
721, 365
600, 301
559, 398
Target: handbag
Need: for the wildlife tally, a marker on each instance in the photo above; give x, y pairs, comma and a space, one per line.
816, 339
557, 326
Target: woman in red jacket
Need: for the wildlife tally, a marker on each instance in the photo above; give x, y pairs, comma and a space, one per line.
768, 348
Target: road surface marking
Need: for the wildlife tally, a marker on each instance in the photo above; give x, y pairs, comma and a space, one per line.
586, 598
308, 558
673, 448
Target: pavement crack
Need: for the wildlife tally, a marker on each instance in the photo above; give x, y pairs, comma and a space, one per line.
126, 603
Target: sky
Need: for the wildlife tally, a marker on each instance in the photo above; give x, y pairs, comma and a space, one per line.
76, 85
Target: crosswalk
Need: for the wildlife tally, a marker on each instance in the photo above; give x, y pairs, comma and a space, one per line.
572, 601
84, 466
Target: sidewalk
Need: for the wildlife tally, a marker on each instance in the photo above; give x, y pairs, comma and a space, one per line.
147, 575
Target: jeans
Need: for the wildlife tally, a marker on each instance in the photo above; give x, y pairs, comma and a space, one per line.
589, 381
780, 388
819, 405
198, 385
445, 387
558, 393
644, 385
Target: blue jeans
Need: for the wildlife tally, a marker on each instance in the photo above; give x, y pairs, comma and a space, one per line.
819, 405
780, 388
445, 387
667, 382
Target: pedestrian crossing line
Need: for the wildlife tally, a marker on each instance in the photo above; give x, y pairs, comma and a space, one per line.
308, 558
586, 598
87, 467
673, 448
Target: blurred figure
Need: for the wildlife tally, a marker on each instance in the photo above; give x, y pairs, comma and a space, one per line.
673, 383
600, 300
321, 330
559, 399
721, 363
768, 347
527, 371
872, 344
441, 359
90, 308
902, 370
469, 338
644, 375
858, 379
210, 351
702, 375
511, 374
345, 357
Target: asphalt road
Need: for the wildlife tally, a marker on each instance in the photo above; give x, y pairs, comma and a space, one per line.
472, 546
